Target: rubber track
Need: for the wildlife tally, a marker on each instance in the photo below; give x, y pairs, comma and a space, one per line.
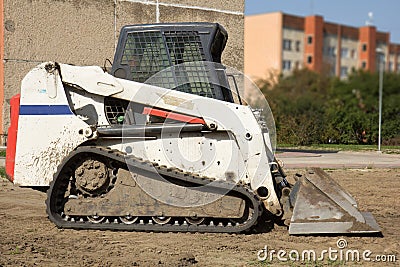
61, 180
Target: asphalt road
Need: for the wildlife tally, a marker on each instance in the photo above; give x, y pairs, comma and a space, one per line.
338, 160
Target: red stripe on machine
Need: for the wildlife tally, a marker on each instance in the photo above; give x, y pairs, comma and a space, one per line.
172, 115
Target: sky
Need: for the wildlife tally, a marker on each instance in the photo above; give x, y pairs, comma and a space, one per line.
386, 13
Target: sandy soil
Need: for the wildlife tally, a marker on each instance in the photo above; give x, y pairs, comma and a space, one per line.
28, 238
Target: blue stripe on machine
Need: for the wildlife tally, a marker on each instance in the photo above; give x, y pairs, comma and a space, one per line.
45, 110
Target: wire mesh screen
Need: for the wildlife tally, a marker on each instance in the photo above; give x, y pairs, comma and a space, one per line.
148, 53
184, 47
145, 54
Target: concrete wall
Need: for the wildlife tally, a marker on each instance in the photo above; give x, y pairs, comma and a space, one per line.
85, 32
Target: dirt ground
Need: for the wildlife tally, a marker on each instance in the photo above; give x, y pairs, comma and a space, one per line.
28, 238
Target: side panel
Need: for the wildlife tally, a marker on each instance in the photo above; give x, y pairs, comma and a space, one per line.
47, 128
213, 154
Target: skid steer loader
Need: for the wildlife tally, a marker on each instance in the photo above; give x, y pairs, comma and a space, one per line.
184, 151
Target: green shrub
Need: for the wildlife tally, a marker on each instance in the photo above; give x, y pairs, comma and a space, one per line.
311, 108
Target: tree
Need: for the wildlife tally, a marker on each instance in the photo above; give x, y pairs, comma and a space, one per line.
314, 108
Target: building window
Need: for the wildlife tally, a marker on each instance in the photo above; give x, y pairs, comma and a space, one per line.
287, 65
353, 53
309, 39
331, 51
344, 53
363, 65
391, 66
343, 72
298, 43
364, 47
309, 59
287, 44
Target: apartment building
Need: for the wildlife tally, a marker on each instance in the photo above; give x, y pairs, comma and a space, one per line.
277, 43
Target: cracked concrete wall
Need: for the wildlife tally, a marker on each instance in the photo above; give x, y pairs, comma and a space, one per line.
85, 32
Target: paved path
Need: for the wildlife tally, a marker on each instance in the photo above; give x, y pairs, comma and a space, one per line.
341, 159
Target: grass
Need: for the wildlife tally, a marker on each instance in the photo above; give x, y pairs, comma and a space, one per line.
16, 251
340, 147
2, 169
3, 172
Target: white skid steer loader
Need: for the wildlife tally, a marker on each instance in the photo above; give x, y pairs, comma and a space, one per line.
123, 150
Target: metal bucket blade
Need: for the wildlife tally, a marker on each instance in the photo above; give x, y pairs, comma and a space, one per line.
321, 206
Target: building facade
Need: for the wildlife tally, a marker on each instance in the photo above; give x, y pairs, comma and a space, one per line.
277, 43
85, 32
